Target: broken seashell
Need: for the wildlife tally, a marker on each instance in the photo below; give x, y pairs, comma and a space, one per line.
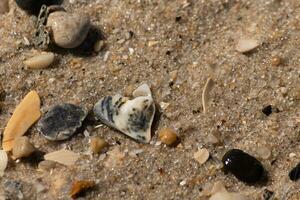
61, 121
132, 117
40, 61
3, 162
22, 147
25, 114
63, 156
246, 45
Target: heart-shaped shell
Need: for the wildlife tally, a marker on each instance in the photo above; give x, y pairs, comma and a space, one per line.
132, 117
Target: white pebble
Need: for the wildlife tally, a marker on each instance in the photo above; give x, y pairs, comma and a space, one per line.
43, 60
201, 155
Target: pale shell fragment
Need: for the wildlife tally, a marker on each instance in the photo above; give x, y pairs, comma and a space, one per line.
25, 114
3, 162
246, 45
224, 195
201, 155
43, 60
63, 156
205, 94
22, 147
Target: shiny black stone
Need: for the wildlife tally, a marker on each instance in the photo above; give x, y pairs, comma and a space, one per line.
34, 6
243, 166
295, 173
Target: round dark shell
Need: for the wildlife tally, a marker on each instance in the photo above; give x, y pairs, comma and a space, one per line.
243, 166
61, 121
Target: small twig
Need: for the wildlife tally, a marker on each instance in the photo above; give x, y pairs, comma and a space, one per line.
205, 94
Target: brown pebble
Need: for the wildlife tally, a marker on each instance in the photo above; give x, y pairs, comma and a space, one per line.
80, 186
276, 60
98, 144
168, 136
22, 147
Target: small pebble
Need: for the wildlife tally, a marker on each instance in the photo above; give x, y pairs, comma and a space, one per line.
99, 45
246, 45
80, 186
4, 6
61, 121
168, 136
243, 166
201, 155
46, 165
276, 60
68, 30
98, 144
295, 173
43, 60
22, 147
267, 110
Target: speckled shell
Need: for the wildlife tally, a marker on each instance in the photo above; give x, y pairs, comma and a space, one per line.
132, 117
243, 166
68, 30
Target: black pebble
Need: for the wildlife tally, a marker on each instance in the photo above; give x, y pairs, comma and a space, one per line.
295, 173
267, 110
34, 6
243, 166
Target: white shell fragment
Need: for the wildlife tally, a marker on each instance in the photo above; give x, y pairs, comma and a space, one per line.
246, 45
3, 162
205, 94
224, 195
132, 117
40, 61
63, 156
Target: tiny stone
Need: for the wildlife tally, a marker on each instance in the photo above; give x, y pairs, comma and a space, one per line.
201, 155
267, 110
168, 136
291, 155
276, 60
98, 144
43, 60
99, 45
22, 147
213, 139
295, 173
61, 121
46, 165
